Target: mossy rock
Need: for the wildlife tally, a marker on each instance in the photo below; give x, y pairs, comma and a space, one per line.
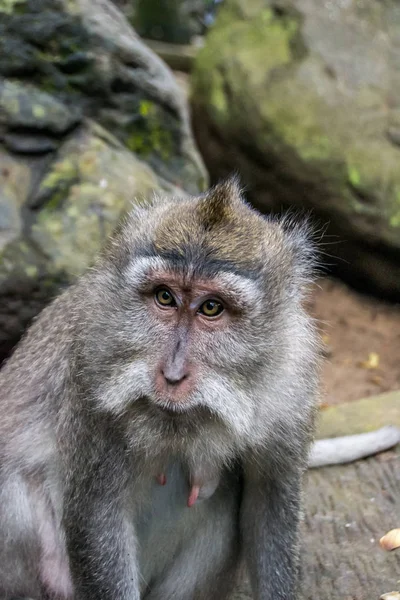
302, 99
360, 416
82, 197
90, 121
56, 215
81, 58
23, 106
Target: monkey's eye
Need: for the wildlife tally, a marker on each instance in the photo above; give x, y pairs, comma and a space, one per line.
211, 308
164, 297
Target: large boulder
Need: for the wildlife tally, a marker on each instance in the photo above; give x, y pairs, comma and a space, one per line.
90, 121
302, 98
85, 54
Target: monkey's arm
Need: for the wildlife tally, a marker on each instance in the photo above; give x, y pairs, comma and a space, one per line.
348, 448
100, 535
269, 523
102, 553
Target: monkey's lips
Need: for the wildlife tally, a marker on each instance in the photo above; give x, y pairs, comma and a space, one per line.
172, 409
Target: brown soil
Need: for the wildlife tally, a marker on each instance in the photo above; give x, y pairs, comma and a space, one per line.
361, 338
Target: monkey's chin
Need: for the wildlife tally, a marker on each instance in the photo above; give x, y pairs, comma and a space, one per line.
173, 409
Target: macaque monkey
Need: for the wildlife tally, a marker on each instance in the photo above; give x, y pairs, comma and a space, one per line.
157, 416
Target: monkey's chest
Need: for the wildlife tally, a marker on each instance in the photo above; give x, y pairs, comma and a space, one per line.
164, 521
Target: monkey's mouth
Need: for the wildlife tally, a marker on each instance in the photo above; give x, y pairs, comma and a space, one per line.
170, 412
172, 409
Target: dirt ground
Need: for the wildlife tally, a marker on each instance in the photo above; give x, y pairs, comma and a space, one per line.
361, 338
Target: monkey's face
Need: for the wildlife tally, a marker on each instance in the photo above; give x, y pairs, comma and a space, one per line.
182, 345
187, 315
193, 317
201, 335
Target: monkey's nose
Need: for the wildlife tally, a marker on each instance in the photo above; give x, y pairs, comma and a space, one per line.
174, 381
174, 374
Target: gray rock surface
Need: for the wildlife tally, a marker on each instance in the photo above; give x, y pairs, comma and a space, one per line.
302, 97
347, 510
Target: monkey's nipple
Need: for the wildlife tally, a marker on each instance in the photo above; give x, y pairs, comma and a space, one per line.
193, 495
202, 488
161, 479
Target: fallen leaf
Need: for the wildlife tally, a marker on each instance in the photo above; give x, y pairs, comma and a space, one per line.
372, 361
376, 379
391, 540
323, 405
326, 348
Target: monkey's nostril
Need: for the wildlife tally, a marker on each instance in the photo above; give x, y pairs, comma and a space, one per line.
171, 381
174, 378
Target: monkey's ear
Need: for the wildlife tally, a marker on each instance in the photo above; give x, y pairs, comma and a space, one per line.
218, 204
301, 237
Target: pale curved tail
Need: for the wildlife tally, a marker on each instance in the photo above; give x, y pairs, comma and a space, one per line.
340, 450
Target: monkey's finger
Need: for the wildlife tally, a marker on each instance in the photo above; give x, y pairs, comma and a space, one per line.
161, 479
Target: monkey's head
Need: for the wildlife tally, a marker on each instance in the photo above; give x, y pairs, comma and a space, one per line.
194, 315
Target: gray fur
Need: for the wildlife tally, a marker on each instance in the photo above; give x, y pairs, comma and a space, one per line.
82, 437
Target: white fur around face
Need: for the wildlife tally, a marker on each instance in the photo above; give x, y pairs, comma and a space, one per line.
245, 291
133, 382
138, 268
